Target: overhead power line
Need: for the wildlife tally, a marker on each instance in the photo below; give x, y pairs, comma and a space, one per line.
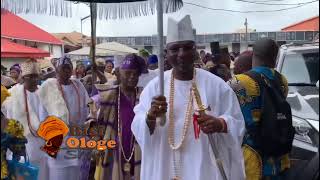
270, 0
272, 4
256, 11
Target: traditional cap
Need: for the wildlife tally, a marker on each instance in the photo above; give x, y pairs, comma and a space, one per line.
144, 53
31, 66
63, 60
16, 67
52, 127
118, 61
180, 31
153, 59
4, 94
109, 61
101, 62
133, 61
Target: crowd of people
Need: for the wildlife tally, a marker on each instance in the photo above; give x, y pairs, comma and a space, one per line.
205, 105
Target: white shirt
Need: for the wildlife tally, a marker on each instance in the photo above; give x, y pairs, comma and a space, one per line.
196, 159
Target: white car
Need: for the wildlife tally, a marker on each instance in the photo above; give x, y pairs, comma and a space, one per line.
299, 63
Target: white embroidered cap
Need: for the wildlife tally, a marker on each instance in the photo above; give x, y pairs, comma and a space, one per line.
100, 62
31, 66
180, 31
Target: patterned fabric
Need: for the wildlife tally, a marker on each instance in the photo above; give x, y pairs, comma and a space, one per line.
63, 60
110, 164
134, 62
30, 67
4, 94
100, 62
249, 96
6, 81
11, 138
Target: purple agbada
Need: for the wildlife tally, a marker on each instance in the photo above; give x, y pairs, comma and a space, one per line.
126, 118
111, 165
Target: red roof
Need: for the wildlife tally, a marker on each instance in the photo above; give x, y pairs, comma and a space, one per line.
13, 26
311, 24
14, 50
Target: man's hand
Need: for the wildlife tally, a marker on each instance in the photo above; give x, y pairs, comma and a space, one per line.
99, 74
209, 124
159, 107
94, 67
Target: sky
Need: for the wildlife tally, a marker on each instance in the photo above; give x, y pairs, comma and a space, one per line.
204, 21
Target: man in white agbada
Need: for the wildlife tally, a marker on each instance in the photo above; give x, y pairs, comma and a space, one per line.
174, 151
66, 99
24, 105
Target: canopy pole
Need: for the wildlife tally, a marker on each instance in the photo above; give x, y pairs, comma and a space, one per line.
160, 54
93, 14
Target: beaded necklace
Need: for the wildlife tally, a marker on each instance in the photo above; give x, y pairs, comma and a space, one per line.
33, 132
65, 100
171, 131
127, 165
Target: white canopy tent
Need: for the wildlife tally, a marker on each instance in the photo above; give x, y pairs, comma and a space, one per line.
105, 49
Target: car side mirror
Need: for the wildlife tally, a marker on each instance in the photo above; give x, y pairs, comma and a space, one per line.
317, 84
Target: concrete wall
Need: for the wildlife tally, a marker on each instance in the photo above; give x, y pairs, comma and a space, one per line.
54, 50
57, 51
45, 47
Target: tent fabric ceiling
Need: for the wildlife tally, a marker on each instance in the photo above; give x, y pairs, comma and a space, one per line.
107, 1
105, 49
106, 9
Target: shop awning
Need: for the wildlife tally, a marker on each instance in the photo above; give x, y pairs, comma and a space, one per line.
13, 50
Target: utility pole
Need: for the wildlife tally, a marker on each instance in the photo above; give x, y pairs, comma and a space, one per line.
246, 25
82, 19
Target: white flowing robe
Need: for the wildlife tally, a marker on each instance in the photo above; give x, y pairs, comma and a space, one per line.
15, 109
67, 165
197, 160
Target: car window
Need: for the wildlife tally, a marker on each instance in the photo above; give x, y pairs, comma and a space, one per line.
301, 67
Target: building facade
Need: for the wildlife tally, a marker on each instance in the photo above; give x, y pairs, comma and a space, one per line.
23, 33
236, 42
